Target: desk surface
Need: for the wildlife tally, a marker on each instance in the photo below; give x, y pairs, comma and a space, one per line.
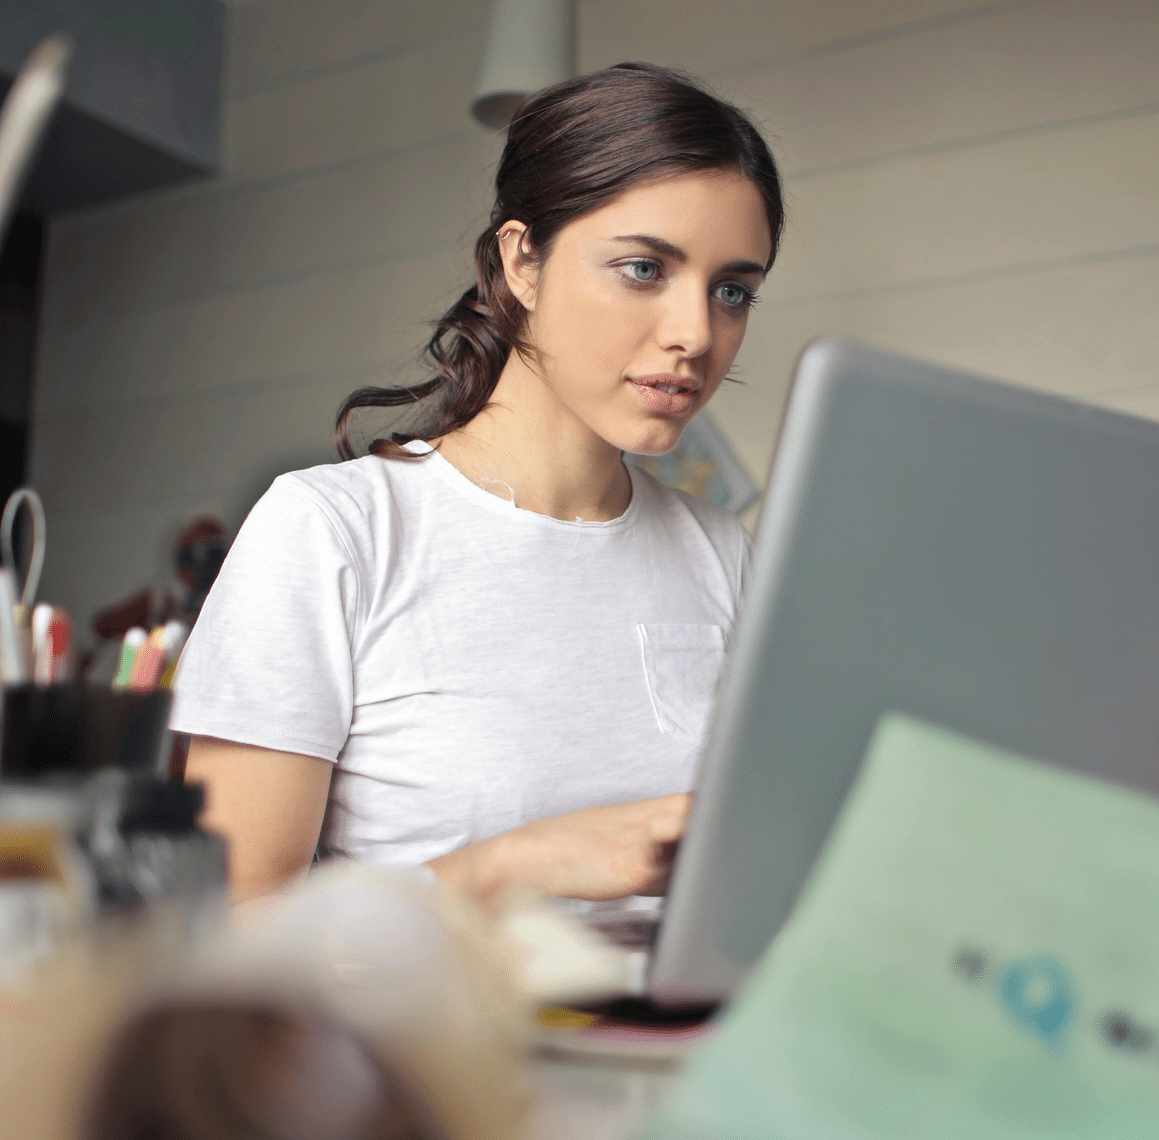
588, 1101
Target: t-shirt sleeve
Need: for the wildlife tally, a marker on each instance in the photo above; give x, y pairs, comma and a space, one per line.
269, 661
732, 543
744, 563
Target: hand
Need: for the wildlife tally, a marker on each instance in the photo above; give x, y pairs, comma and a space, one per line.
599, 853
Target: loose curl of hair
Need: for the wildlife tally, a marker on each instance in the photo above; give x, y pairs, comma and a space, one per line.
571, 149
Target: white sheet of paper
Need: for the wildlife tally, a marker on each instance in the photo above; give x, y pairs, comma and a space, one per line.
976, 955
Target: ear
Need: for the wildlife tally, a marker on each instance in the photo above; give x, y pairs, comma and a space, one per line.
520, 271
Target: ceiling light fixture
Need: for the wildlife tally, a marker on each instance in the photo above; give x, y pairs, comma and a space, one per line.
530, 44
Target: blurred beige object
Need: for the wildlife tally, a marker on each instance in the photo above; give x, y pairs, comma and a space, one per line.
25, 115
558, 959
55, 1021
47, 894
356, 1004
359, 1004
393, 973
416, 973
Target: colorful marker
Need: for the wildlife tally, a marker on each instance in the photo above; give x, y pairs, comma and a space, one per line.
148, 662
134, 639
41, 650
175, 634
60, 646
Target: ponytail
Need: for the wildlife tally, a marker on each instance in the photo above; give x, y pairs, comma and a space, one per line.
470, 346
466, 353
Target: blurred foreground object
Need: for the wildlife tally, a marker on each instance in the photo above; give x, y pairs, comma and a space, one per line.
47, 892
405, 966
218, 1071
360, 1004
558, 958
976, 956
67, 731
76, 856
25, 115
357, 1004
530, 45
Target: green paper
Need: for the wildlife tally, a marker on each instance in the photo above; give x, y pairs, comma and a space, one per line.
976, 955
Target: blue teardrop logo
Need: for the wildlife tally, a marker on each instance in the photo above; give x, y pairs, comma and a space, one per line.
1038, 994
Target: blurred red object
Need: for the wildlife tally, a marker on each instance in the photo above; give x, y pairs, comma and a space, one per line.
198, 553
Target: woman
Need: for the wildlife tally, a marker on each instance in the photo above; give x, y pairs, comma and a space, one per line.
490, 647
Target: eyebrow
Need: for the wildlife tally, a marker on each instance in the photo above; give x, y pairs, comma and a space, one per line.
667, 249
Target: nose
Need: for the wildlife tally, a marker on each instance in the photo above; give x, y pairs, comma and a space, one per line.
687, 324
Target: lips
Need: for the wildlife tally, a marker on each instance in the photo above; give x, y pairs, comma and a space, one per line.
666, 392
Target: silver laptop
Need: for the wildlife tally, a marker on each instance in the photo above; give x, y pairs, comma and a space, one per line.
979, 556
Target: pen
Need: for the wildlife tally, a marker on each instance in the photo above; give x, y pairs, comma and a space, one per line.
41, 652
13, 667
60, 646
175, 634
51, 644
148, 663
134, 639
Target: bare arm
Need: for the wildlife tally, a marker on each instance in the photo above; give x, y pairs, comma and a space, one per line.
269, 806
599, 853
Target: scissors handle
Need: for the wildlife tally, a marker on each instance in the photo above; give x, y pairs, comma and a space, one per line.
19, 497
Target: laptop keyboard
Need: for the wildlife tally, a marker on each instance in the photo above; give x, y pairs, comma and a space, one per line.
628, 932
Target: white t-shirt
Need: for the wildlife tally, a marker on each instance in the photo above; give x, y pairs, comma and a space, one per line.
468, 666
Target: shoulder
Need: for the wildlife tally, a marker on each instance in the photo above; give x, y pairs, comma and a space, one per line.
341, 487
352, 496
719, 527
332, 515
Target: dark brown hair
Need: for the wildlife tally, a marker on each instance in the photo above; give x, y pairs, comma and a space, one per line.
571, 149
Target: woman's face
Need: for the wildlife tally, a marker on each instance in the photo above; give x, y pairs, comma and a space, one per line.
640, 307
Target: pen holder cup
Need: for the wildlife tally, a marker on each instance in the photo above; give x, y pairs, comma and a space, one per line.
78, 729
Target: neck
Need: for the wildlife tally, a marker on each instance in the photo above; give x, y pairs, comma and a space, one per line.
529, 448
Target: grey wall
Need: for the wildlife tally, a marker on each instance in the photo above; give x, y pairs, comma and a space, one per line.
971, 182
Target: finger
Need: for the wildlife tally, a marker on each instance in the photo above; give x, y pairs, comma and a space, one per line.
662, 874
667, 827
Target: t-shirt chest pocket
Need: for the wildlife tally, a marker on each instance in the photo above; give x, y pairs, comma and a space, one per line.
681, 666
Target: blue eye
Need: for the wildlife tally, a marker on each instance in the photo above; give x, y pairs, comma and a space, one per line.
735, 296
642, 270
